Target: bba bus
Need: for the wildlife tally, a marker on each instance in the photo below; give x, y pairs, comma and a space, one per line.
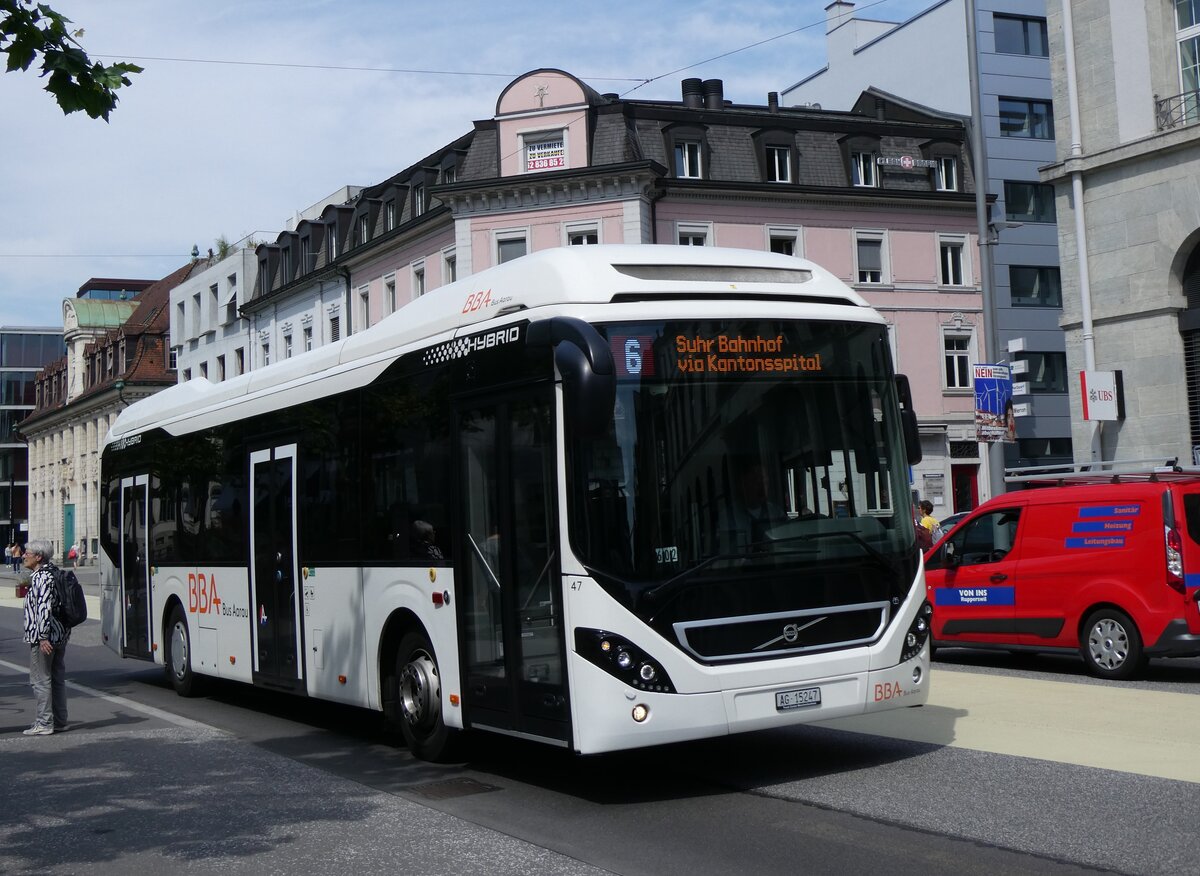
602, 497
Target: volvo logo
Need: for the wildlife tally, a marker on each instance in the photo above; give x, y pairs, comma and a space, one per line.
790, 635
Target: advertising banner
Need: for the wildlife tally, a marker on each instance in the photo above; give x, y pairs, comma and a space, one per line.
995, 419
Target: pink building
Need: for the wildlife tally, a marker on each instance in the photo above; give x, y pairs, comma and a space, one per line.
882, 196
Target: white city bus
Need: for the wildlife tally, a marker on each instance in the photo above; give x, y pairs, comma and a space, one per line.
602, 497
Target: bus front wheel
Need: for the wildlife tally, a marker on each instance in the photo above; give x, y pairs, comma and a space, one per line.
419, 700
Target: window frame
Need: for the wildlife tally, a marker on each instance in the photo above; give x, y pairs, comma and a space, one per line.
449, 265
1010, 190
1039, 387
948, 243
773, 166
871, 235
1024, 21
791, 233
940, 182
1034, 127
539, 136
862, 165
418, 279
693, 231
1044, 273
509, 235
967, 356
575, 229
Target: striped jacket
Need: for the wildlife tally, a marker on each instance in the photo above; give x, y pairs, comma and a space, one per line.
40, 602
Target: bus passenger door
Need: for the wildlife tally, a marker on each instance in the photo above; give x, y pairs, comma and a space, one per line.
274, 576
134, 573
510, 601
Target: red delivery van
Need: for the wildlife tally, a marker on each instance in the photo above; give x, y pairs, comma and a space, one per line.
1104, 565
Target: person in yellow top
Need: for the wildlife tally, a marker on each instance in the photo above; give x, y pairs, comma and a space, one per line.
928, 520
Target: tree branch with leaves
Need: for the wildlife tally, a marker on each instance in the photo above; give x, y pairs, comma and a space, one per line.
29, 31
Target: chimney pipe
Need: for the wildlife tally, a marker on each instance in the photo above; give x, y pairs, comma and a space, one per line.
773, 101
693, 93
714, 94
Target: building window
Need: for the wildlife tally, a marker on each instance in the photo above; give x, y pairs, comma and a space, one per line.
212, 303
196, 315
1020, 36
418, 279
180, 321
693, 235
307, 338
389, 215
952, 266
239, 361
231, 309
364, 229
1028, 202
285, 265
287, 346
582, 236
187, 374
862, 169
945, 174
1034, 286
509, 248
785, 241
449, 174
306, 263
869, 256
546, 151
332, 237
266, 353
204, 370
1045, 450
779, 164
389, 294
173, 362
687, 159
449, 266
956, 352
221, 368
364, 307
335, 328
1033, 119
1047, 372
418, 200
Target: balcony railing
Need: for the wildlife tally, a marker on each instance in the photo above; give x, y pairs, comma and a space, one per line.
1177, 111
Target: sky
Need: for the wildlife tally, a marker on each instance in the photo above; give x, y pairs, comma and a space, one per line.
250, 111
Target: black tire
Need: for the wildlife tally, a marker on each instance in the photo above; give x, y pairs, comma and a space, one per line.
1111, 645
177, 655
419, 701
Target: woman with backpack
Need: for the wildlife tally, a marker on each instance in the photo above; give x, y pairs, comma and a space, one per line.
47, 639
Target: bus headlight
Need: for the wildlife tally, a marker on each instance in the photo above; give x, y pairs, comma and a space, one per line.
622, 659
918, 632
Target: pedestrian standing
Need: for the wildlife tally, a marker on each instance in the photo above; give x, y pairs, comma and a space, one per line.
47, 638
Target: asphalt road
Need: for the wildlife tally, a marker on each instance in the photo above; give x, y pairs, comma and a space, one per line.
246, 780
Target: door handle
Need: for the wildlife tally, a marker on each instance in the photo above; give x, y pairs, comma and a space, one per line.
998, 577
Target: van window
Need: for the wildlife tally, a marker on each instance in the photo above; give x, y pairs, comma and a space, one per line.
1191, 510
986, 539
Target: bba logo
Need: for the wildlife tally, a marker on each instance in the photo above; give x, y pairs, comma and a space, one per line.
889, 690
202, 594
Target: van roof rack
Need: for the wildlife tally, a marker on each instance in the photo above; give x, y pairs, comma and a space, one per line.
1113, 471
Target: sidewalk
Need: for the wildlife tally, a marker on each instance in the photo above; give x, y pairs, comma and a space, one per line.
89, 578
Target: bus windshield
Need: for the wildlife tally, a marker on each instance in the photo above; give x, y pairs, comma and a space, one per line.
751, 466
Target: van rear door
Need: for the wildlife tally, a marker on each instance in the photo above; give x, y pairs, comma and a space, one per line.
971, 579
1186, 505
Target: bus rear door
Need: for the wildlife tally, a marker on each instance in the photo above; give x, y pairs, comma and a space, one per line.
510, 604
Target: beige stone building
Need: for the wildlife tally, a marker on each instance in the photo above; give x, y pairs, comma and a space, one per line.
1126, 188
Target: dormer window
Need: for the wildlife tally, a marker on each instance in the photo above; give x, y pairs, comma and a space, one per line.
945, 173
545, 151
418, 200
333, 241
862, 169
688, 159
389, 215
779, 164
364, 229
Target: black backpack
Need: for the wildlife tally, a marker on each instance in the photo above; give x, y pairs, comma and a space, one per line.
72, 607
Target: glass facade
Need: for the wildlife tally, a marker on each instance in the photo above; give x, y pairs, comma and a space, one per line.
23, 352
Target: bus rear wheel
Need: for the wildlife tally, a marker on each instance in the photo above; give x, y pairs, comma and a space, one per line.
178, 662
419, 700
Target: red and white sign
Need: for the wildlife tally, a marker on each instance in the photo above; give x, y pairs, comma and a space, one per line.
1099, 390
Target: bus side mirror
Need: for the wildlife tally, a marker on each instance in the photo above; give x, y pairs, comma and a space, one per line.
585, 362
908, 420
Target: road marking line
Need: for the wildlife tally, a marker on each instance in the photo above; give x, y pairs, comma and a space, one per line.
121, 701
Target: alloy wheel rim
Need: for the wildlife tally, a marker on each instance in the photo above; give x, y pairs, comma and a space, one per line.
179, 655
1108, 644
418, 689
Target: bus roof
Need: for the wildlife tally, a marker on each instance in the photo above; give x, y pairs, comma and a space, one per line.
573, 275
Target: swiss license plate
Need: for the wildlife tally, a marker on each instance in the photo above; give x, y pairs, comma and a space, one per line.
797, 699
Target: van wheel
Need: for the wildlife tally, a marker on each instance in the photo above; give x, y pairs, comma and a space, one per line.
179, 656
1111, 645
419, 701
